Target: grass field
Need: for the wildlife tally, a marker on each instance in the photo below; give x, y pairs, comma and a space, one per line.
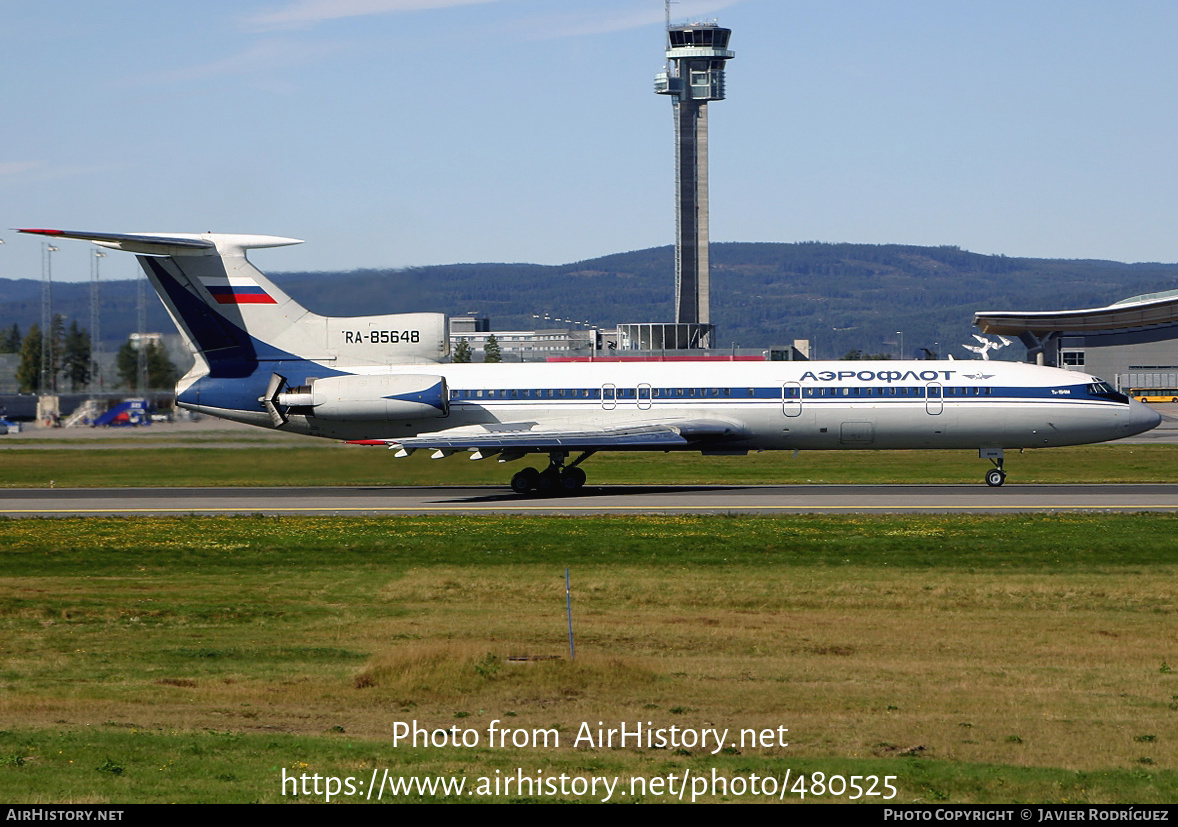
317, 462
975, 659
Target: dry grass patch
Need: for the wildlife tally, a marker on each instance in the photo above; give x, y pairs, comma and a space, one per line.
431, 675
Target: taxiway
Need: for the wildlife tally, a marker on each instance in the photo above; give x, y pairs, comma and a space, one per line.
608, 499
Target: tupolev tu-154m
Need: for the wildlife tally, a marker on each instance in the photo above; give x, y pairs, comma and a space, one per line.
263, 359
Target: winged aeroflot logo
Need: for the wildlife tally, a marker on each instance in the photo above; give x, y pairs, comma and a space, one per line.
978, 376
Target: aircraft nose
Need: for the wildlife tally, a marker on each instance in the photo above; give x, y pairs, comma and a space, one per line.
1142, 417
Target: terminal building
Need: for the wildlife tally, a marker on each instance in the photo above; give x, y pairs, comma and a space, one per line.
525, 345
1132, 343
632, 342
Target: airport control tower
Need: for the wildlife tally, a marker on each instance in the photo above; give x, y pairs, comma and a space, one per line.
694, 75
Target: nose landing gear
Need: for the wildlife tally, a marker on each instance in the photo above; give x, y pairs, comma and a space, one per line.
554, 480
995, 476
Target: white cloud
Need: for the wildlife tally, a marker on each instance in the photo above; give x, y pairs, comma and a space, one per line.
261, 57
18, 167
305, 13
579, 20
20, 173
597, 21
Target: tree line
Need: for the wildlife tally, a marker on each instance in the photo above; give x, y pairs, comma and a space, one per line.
463, 353
71, 367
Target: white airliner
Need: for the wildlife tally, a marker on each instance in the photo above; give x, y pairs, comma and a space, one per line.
265, 360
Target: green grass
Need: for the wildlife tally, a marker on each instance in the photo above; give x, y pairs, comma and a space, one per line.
112, 546
976, 659
113, 763
319, 463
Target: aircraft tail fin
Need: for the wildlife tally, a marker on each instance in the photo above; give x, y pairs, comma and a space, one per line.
248, 335
226, 309
234, 317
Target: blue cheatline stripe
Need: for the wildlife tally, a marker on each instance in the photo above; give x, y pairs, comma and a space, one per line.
834, 395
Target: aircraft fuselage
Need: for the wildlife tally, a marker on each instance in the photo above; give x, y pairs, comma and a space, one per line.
771, 405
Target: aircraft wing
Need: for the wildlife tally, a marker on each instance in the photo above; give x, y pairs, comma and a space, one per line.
524, 437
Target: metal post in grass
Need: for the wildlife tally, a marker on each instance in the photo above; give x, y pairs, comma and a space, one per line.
568, 603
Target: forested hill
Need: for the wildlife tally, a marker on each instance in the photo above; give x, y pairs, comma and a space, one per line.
841, 296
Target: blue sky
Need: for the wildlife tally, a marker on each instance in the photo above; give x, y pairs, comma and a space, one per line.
412, 132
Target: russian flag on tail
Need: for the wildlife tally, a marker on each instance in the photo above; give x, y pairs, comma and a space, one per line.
237, 290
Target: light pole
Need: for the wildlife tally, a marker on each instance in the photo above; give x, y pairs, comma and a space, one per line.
901, 334
95, 336
141, 324
47, 251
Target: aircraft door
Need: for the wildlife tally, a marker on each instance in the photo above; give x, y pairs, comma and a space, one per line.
644, 397
934, 401
609, 397
791, 399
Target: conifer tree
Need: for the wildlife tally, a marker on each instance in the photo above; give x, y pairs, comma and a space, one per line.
491, 351
28, 373
75, 357
461, 351
10, 339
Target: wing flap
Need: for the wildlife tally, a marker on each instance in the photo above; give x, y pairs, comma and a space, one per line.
638, 437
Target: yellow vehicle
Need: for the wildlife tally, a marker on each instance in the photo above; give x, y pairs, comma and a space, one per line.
1154, 394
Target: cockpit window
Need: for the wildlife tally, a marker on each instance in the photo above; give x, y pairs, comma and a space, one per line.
1106, 391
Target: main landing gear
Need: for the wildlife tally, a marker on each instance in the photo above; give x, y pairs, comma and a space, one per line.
995, 476
557, 478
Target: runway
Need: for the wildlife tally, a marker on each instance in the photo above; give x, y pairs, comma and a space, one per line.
635, 499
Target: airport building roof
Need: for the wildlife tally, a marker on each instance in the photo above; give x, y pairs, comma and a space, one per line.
1150, 310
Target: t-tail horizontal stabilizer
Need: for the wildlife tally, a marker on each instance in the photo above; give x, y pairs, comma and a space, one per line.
173, 244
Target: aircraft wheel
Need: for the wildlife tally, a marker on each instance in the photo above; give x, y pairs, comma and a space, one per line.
572, 480
524, 481
995, 478
548, 482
